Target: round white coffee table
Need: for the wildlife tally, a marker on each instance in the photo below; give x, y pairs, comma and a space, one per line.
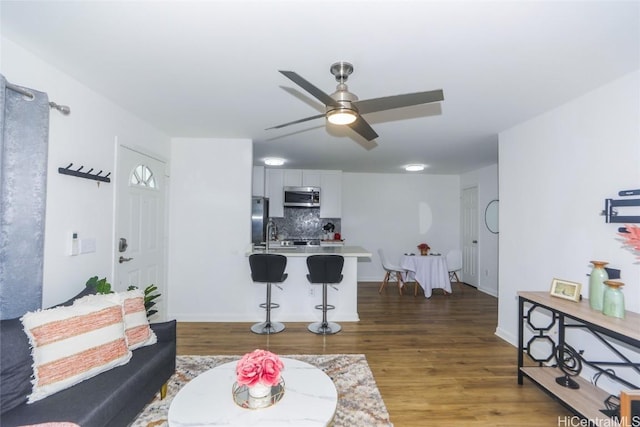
310, 399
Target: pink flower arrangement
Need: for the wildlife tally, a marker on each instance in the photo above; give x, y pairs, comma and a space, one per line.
259, 367
632, 237
423, 247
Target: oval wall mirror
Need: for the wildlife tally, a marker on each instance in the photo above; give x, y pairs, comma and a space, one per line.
491, 216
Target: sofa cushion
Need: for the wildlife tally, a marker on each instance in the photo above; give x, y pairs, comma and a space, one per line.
71, 344
15, 365
63, 424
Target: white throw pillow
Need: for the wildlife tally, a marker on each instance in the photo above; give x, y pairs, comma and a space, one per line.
72, 344
137, 329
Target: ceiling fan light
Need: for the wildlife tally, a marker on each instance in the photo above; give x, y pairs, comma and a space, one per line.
273, 161
342, 116
414, 168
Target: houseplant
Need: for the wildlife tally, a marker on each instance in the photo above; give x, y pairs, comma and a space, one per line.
101, 286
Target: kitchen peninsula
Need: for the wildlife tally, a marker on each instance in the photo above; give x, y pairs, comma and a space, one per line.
298, 297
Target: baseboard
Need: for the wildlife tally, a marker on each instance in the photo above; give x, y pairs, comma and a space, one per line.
291, 317
508, 337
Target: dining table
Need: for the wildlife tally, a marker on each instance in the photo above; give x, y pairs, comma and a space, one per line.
429, 271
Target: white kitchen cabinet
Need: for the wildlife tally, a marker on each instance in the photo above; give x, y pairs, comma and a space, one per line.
311, 178
292, 177
331, 194
329, 181
273, 185
257, 181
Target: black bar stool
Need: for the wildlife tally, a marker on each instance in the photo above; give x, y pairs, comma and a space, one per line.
325, 269
268, 268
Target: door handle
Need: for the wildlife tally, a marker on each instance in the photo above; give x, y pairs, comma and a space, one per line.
123, 259
473, 241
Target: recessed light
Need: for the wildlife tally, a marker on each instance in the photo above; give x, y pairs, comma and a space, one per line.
273, 161
414, 168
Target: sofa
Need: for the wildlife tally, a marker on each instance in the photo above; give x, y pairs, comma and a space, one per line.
111, 398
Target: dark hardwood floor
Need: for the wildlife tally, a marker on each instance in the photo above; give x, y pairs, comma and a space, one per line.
436, 361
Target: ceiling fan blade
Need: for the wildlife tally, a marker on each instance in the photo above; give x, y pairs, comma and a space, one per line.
362, 127
398, 101
304, 84
297, 121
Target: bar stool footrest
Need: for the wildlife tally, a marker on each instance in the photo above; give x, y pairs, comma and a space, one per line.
321, 307
265, 305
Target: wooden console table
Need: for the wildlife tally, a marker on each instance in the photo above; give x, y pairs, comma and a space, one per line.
587, 401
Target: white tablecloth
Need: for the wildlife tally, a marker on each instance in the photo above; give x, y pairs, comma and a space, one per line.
429, 271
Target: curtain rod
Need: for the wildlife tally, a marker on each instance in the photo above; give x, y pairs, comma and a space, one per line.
64, 109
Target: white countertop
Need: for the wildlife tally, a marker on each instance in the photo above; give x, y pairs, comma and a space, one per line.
304, 251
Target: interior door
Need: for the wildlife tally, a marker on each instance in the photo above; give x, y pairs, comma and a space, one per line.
140, 224
470, 236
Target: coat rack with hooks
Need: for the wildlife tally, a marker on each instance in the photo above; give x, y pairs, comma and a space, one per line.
88, 175
611, 214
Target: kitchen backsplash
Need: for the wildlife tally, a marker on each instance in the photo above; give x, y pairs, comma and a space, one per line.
303, 223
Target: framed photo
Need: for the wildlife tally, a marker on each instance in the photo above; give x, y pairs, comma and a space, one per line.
629, 408
565, 289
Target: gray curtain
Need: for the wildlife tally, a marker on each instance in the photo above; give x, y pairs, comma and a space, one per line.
24, 132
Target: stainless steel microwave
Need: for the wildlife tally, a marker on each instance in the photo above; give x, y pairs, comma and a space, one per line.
306, 197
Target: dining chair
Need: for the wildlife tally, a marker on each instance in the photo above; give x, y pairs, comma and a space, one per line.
391, 272
454, 264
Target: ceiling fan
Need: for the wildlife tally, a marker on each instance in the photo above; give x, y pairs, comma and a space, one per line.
344, 108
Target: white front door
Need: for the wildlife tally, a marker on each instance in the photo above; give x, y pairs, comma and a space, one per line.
470, 236
140, 224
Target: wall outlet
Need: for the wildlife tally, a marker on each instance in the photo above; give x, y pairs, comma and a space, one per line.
312, 291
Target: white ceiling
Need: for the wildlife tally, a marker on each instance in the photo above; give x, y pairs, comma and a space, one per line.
210, 68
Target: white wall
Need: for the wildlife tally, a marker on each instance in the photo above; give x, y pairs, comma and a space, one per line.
209, 231
555, 172
486, 180
396, 212
86, 137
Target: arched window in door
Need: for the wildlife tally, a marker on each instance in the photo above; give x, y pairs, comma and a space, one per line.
142, 176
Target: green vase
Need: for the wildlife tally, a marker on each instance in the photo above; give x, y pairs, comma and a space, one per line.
596, 284
613, 301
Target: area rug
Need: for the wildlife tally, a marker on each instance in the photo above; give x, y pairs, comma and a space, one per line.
359, 400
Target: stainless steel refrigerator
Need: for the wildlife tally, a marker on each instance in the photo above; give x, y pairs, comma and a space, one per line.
259, 219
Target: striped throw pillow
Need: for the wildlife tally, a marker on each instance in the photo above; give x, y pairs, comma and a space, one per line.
72, 344
137, 329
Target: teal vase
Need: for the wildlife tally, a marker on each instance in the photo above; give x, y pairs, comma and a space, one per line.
613, 301
596, 284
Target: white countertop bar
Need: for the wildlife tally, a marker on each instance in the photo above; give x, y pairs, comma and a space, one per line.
305, 251
298, 297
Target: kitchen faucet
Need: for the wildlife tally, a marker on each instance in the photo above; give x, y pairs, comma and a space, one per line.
271, 226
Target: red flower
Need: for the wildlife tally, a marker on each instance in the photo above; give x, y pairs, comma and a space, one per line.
423, 246
259, 366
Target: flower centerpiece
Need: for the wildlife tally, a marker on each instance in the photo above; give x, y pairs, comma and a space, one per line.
259, 371
424, 249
